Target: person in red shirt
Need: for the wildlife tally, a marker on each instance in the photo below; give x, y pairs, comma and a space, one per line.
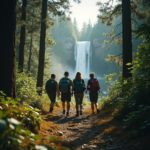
93, 87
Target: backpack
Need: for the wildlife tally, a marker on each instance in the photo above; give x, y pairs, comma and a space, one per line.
51, 86
64, 85
79, 86
94, 85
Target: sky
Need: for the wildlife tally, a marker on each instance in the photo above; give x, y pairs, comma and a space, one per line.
84, 11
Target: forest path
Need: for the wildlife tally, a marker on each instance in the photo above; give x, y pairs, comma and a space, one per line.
86, 132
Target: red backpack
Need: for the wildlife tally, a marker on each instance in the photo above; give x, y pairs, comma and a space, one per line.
94, 85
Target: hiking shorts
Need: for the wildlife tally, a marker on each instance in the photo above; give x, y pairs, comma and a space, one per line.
93, 96
65, 97
78, 98
52, 97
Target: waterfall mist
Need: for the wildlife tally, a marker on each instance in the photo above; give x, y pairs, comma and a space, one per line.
82, 58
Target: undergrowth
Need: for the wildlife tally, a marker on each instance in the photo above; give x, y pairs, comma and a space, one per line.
129, 100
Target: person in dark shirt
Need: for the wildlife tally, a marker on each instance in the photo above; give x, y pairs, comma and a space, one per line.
78, 88
93, 87
65, 87
51, 89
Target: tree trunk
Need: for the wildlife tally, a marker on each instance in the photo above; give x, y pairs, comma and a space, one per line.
30, 48
40, 73
22, 37
7, 47
127, 37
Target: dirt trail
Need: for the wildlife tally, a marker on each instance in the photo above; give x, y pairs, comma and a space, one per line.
86, 132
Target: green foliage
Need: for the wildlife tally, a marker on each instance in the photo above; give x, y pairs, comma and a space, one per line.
129, 100
26, 91
18, 123
12, 135
29, 116
25, 85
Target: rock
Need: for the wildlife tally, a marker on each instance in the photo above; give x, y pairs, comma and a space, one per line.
89, 147
60, 133
71, 125
85, 120
92, 146
73, 128
50, 130
84, 146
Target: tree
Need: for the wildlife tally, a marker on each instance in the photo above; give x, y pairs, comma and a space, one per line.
7, 38
109, 12
127, 37
42, 46
30, 48
22, 36
54, 8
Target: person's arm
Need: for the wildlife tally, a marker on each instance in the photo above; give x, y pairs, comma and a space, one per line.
98, 86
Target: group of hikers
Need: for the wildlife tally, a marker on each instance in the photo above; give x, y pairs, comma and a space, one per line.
67, 88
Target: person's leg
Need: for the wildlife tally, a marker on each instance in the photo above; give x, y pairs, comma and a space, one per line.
63, 106
92, 103
96, 102
68, 100
51, 106
81, 100
77, 109
68, 107
63, 102
52, 99
77, 105
95, 105
92, 107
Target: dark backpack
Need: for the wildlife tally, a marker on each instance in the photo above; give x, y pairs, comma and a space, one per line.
79, 86
94, 85
64, 85
51, 86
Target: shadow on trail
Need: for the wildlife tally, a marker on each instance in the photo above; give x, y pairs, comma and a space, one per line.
85, 138
96, 132
63, 119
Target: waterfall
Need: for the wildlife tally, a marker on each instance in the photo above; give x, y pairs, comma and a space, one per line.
82, 58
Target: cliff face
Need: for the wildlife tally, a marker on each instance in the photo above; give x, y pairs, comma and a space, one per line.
100, 52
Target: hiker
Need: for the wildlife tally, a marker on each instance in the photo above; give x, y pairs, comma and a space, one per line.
65, 87
93, 87
78, 88
51, 88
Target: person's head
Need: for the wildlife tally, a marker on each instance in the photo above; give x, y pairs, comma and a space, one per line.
66, 74
91, 75
78, 75
53, 76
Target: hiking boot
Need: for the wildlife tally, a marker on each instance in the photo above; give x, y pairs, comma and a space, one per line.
67, 114
98, 111
63, 111
77, 114
51, 110
80, 112
93, 113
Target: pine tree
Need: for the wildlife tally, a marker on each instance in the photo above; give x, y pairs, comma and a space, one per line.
7, 47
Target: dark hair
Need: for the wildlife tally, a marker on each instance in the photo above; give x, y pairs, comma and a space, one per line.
53, 76
78, 75
66, 74
91, 75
